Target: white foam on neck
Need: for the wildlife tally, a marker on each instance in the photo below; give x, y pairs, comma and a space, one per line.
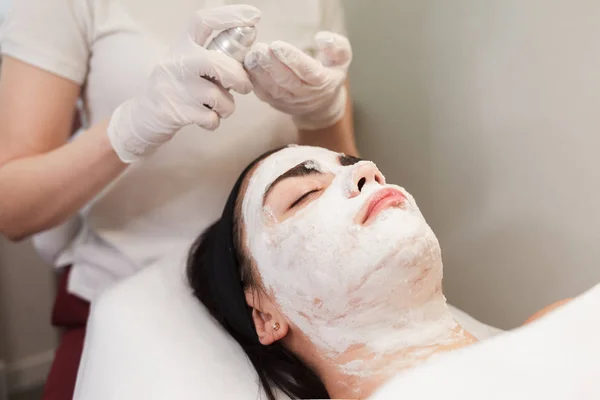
389, 351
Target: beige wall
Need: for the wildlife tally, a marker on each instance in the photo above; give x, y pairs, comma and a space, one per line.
26, 295
489, 112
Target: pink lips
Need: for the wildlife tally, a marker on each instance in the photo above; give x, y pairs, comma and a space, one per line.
381, 200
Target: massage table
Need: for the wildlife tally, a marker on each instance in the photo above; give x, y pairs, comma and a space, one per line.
149, 338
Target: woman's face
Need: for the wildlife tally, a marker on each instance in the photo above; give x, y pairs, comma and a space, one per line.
337, 248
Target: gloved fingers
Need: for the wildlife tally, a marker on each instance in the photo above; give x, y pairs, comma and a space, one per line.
201, 116
220, 101
251, 59
269, 75
211, 95
208, 20
333, 50
306, 68
218, 67
266, 89
279, 72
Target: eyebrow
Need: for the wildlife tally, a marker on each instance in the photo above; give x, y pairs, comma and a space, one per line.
307, 168
301, 169
348, 160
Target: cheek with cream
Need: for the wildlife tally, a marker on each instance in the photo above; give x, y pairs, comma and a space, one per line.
341, 283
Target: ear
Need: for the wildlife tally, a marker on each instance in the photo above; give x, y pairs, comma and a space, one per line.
269, 323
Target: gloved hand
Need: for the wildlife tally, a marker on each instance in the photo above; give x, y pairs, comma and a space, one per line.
291, 81
189, 86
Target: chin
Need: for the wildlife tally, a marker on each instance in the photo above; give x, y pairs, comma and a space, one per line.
399, 223
406, 240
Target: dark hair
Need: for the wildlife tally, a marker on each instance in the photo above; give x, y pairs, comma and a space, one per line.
219, 272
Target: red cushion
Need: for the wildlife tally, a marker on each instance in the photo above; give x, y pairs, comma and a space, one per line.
60, 384
69, 310
70, 313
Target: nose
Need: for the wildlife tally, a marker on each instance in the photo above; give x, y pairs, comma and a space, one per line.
364, 174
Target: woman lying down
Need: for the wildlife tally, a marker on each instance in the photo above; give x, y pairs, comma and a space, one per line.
328, 277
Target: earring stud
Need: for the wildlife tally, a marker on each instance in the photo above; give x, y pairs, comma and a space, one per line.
276, 326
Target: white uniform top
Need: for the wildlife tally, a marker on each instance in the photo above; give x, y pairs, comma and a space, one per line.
110, 47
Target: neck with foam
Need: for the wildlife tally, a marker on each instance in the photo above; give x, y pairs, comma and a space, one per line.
418, 334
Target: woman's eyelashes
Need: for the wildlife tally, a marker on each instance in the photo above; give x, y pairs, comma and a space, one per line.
302, 199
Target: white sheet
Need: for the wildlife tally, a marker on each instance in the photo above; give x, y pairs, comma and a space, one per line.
477, 328
148, 338
555, 358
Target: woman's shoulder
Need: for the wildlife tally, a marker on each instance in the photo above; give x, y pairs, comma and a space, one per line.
546, 310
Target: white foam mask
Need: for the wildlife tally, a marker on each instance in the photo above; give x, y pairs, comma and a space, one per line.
341, 283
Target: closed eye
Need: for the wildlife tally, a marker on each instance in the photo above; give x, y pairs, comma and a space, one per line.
303, 198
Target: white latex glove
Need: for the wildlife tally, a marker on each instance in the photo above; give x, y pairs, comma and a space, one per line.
187, 80
311, 90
